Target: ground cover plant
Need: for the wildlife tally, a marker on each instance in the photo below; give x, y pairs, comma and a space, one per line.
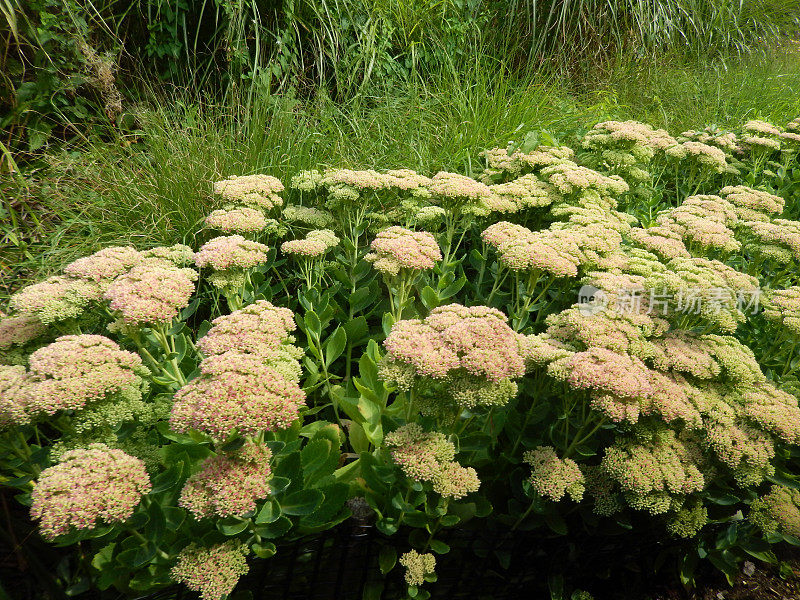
592, 334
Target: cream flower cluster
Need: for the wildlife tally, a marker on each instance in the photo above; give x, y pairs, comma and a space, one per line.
57, 298
151, 293
417, 566
702, 156
88, 485
724, 140
704, 221
552, 477
428, 457
255, 191
18, 330
559, 251
249, 378
654, 469
751, 204
12, 400
778, 239
783, 306
502, 161
237, 220
778, 511
212, 571
307, 215
570, 178
761, 136
229, 484
315, 244
396, 248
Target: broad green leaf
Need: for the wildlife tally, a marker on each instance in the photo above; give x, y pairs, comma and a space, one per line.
301, 502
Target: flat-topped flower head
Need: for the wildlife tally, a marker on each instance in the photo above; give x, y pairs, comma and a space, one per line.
663, 241
751, 204
56, 299
417, 566
605, 371
783, 306
655, 469
703, 155
773, 409
151, 293
307, 215
778, 511
476, 339
106, 264
258, 191
258, 328
231, 252
19, 329
316, 243
229, 484
398, 248
179, 255
428, 456
761, 128
248, 396
214, 571
77, 370
521, 249
237, 220
458, 187
570, 178
527, 191
13, 409
502, 160
632, 133
88, 485
419, 454
724, 140
778, 239
553, 477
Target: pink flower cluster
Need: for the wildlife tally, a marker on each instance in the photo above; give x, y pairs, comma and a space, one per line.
705, 221
96, 483
106, 264
231, 252
242, 393
258, 328
229, 484
608, 372
458, 187
501, 160
397, 248
214, 571
151, 293
19, 330
655, 469
476, 339
13, 380
76, 370
778, 239
429, 457
552, 477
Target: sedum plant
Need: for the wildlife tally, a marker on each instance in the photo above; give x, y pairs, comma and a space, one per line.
592, 335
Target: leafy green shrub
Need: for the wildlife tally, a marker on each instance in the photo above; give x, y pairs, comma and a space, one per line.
569, 338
